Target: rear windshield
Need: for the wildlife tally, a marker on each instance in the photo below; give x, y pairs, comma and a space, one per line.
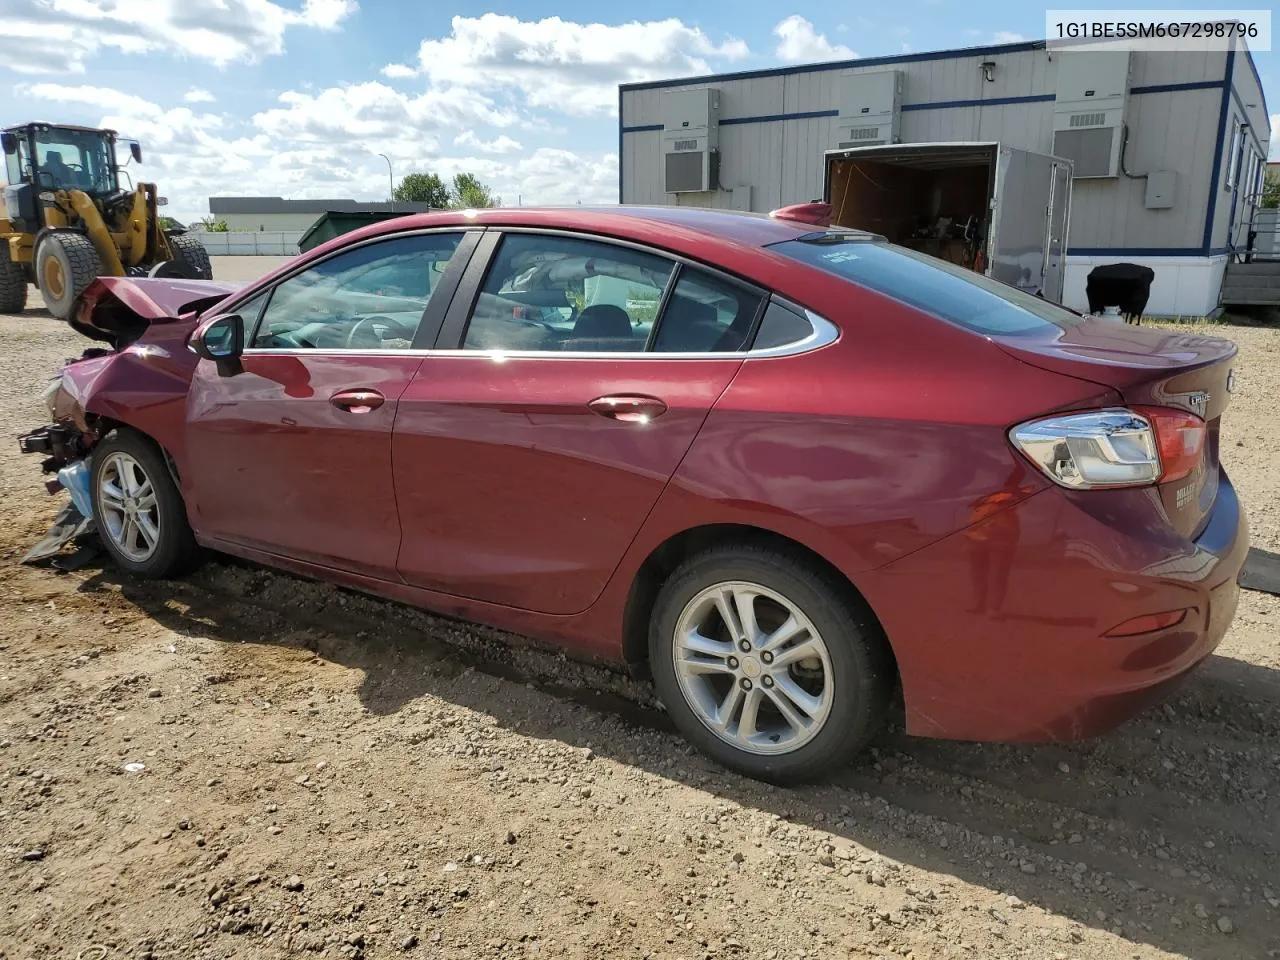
944, 289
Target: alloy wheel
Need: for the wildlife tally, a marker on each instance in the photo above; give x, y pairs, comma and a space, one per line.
129, 511
753, 668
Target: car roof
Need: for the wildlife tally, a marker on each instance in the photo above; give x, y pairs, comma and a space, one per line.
647, 224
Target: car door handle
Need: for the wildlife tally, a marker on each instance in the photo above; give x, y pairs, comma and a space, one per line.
629, 408
358, 401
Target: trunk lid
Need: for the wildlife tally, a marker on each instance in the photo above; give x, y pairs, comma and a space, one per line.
1148, 367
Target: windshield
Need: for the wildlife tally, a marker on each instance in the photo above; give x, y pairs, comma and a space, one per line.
949, 291
76, 159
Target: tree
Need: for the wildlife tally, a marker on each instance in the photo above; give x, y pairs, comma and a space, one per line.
469, 192
1271, 191
425, 188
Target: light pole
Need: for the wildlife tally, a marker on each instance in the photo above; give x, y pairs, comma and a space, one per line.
391, 178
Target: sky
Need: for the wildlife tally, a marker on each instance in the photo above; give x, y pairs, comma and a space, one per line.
297, 98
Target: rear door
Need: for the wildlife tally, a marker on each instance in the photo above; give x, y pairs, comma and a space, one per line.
1055, 253
532, 444
292, 455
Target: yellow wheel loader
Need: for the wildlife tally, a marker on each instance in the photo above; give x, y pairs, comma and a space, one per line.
65, 219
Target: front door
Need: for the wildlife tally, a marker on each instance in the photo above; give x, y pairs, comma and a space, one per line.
527, 457
292, 455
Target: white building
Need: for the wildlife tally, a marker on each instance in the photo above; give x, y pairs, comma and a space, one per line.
275, 214
1169, 147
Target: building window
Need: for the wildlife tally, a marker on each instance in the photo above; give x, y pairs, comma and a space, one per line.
1233, 158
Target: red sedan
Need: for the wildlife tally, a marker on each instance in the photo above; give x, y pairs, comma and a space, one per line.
789, 471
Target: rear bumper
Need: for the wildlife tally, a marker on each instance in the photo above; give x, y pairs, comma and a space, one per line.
999, 630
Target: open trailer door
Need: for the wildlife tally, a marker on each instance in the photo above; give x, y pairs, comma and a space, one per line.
1030, 211
995, 209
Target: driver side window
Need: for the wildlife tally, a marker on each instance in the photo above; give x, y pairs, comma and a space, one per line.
369, 298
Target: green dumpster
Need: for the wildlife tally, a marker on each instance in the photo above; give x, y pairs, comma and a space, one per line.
337, 222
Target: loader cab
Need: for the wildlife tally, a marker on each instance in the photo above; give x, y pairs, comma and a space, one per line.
50, 157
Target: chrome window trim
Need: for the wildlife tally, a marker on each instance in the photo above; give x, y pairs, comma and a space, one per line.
824, 333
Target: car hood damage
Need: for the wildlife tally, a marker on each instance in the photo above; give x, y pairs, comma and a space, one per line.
141, 379
117, 310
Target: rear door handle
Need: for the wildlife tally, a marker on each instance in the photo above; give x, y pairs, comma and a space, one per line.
358, 401
629, 408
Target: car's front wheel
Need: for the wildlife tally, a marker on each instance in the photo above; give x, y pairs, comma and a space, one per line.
137, 508
767, 664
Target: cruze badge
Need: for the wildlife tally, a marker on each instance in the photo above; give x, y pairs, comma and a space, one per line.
1199, 402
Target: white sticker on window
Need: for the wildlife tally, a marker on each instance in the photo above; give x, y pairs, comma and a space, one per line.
839, 256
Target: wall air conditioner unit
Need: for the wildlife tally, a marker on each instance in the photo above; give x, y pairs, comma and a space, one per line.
1088, 115
690, 140
870, 109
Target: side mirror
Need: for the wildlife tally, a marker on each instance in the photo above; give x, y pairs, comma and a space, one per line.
10, 142
135, 151
221, 340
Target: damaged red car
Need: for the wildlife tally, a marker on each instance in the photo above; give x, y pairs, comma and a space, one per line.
797, 475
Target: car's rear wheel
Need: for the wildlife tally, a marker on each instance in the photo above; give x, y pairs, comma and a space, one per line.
138, 510
767, 664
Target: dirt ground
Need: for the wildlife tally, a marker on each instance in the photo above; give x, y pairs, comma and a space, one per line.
244, 764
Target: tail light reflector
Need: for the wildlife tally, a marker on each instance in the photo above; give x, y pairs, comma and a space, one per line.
1148, 623
1115, 447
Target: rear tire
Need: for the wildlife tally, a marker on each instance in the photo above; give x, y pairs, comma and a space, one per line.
819, 697
13, 282
191, 254
138, 509
66, 263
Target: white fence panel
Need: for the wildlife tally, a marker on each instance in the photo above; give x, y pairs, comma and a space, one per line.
248, 243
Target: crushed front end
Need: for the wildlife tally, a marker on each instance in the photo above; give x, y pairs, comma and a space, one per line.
140, 380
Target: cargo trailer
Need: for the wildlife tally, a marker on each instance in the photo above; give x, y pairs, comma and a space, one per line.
993, 208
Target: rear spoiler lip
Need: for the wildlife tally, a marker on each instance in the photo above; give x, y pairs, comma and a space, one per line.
815, 213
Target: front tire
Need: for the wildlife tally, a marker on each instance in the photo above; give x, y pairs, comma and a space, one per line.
13, 282
66, 263
768, 664
137, 508
191, 254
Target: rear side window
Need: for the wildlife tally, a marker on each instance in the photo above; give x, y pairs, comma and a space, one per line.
706, 315
946, 290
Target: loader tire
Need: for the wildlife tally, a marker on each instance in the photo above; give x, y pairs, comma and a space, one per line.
13, 283
191, 254
66, 263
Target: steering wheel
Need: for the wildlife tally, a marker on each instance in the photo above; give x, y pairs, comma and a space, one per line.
404, 331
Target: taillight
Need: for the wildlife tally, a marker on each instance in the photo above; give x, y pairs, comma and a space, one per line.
1114, 447
1181, 437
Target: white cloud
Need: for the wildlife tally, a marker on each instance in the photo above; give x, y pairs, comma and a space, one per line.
398, 71
1006, 36
799, 41
196, 95
373, 113
574, 68
59, 36
324, 146
502, 144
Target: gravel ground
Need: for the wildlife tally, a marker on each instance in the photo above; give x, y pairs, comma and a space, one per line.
245, 764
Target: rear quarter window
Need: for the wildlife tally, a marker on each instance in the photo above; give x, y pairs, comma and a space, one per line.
948, 291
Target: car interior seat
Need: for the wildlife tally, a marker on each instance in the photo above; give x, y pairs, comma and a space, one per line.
688, 327
602, 327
